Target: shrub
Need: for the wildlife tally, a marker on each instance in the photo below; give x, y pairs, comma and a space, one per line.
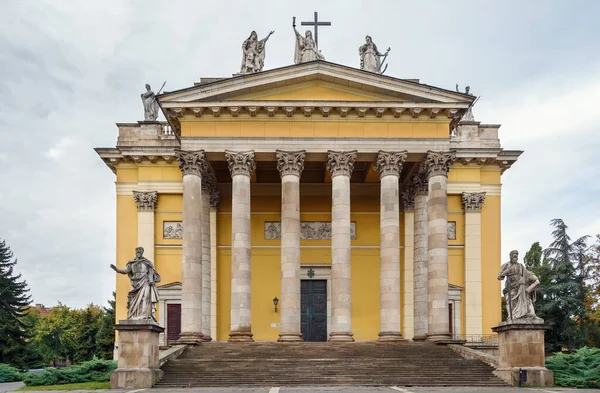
9, 374
578, 370
91, 371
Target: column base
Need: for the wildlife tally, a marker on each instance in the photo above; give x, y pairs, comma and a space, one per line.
341, 337
439, 338
240, 337
420, 337
206, 338
190, 338
290, 338
390, 337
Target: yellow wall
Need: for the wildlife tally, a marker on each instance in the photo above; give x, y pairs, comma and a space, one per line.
266, 254
490, 263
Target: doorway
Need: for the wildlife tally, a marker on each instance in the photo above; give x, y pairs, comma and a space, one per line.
313, 307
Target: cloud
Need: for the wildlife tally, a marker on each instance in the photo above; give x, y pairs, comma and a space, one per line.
71, 70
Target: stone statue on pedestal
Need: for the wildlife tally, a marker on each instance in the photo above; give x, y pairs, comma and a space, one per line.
150, 104
306, 48
253, 53
519, 289
370, 57
143, 296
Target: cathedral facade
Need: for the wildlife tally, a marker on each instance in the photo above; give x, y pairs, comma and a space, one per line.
314, 202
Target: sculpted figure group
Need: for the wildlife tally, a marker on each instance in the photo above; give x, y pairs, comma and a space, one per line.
305, 50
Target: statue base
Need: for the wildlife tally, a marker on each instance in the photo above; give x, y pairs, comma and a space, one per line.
137, 364
521, 353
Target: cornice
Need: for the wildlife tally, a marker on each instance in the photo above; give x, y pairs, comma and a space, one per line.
175, 112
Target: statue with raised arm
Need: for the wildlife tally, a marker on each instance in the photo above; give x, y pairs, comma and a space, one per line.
143, 296
519, 289
370, 57
253, 53
150, 104
306, 48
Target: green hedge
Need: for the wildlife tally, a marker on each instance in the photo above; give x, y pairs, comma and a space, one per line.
9, 373
92, 371
578, 370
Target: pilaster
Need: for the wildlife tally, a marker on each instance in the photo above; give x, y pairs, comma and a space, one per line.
472, 204
146, 203
214, 207
408, 283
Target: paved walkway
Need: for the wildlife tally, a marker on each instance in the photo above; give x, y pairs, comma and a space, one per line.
12, 386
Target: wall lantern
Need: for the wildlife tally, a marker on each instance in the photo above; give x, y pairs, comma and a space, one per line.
275, 302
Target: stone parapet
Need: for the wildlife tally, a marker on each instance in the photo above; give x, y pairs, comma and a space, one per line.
138, 361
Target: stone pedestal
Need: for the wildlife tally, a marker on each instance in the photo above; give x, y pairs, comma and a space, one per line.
138, 365
521, 349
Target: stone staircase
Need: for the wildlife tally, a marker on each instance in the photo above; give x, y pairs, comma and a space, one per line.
321, 364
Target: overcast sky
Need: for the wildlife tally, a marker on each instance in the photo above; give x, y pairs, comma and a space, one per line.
71, 69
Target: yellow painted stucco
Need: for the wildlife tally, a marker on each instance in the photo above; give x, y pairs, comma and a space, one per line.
265, 270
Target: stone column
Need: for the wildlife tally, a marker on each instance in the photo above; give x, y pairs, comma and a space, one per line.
290, 166
241, 165
146, 203
438, 164
472, 204
208, 183
192, 164
408, 320
341, 164
389, 166
214, 207
420, 254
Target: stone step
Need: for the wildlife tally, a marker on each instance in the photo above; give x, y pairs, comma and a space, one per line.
324, 364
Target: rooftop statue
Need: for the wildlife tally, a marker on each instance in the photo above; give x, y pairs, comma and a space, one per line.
253, 53
150, 104
306, 48
370, 57
520, 289
143, 296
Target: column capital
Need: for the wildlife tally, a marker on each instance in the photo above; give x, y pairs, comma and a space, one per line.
420, 181
208, 182
340, 162
438, 163
240, 162
472, 202
390, 162
408, 199
290, 162
215, 199
192, 162
146, 200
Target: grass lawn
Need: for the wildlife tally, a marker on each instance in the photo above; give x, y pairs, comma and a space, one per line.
69, 386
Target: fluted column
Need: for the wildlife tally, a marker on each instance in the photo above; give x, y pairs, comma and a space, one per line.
408, 319
438, 164
146, 203
290, 166
420, 254
207, 187
472, 204
340, 165
241, 165
192, 164
389, 166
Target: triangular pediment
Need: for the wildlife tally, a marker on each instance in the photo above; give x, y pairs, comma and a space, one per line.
317, 81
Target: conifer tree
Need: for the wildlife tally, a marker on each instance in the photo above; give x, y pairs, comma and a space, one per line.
14, 301
105, 339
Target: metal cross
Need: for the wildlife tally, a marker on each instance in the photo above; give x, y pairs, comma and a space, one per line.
316, 24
